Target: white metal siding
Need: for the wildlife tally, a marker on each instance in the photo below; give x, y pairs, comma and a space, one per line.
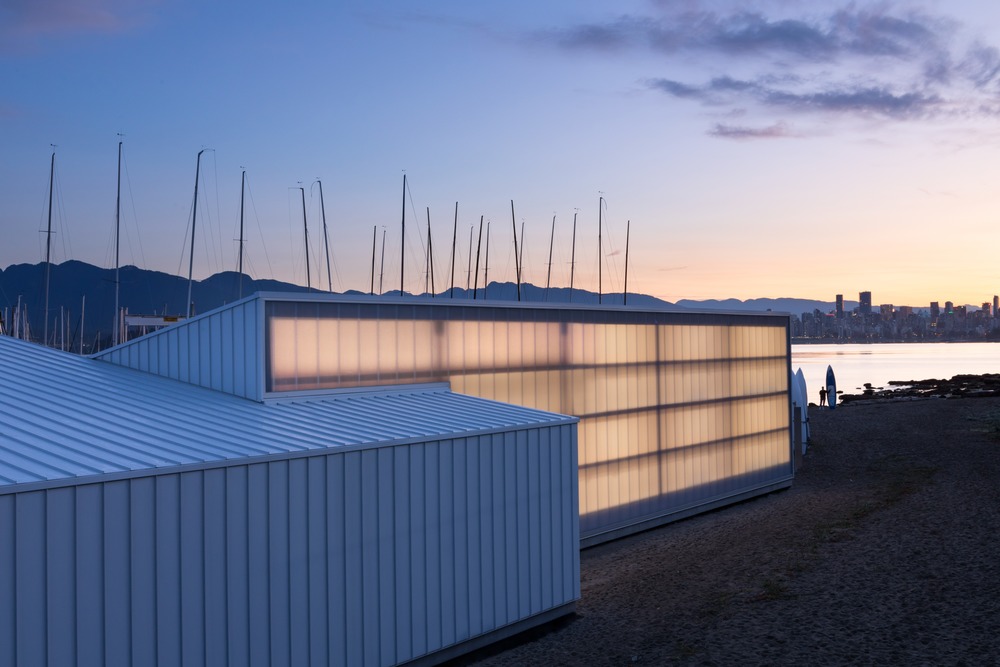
366, 557
218, 350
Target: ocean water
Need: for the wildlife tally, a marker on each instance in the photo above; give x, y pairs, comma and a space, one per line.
879, 363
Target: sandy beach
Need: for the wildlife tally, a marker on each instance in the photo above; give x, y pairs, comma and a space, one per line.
884, 551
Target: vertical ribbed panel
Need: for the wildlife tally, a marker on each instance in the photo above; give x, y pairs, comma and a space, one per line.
368, 557
218, 351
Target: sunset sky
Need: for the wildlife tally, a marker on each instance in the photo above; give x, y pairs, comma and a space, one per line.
767, 149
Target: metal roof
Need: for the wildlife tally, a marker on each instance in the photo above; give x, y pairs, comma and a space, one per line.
420, 300
65, 417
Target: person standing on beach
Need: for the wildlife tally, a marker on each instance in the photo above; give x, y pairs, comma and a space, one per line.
822, 396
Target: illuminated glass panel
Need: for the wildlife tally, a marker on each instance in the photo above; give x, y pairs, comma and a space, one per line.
676, 409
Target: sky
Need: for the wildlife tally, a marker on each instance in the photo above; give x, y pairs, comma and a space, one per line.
742, 149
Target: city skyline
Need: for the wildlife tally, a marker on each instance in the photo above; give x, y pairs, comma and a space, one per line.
886, 322
775, 150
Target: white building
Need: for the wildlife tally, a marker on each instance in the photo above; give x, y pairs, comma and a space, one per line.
680, 411
315, 479
148, 521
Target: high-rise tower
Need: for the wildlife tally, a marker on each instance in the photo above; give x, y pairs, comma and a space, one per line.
865, 307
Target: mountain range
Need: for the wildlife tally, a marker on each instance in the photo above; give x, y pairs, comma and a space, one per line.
77, 287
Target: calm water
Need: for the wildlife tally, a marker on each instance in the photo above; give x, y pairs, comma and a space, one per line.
878, 363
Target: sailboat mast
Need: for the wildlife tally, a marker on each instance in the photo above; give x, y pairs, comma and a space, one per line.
402, 249
381, 266
625, 292
517, 258
600, 251
194, 222
552, 239
48, 248
305, 233
479, 245
572, 261
486, 265
468, 274
430, 253
454, 240
521, 256
118, 210
326, 237
243, 180
374, 236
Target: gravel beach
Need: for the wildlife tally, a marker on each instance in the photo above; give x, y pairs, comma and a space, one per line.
884, 551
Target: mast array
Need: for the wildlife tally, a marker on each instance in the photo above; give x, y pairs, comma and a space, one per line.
518, 247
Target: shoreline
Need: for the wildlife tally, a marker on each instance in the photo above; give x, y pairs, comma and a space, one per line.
984, 385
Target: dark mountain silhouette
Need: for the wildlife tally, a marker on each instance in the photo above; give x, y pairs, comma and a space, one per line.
156, 293
142, 292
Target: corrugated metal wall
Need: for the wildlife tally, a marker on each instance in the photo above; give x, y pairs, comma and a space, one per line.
368, 557
220, 350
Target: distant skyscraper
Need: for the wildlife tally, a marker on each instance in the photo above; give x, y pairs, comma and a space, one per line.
949, 308
885, 310
935, 310
840, 306
866, 303
986, 308
996, 306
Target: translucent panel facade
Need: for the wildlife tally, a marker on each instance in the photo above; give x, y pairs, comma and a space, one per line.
678, 411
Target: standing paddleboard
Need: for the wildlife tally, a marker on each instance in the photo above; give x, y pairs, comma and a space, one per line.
799, 381
831, 388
